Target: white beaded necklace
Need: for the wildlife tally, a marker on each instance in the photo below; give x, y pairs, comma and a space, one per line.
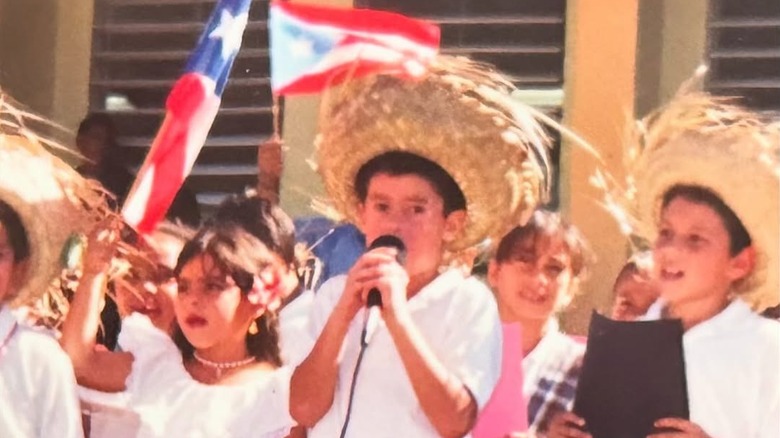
222, 366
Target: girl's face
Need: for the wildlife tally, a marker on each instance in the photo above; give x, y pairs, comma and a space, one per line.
210, 308
691, 254
534, 282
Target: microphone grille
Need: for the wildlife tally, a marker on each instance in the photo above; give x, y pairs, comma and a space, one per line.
389, 240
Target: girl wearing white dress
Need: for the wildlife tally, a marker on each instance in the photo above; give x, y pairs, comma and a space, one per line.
221, 374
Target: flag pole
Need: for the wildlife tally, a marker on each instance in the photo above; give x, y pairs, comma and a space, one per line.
270, 160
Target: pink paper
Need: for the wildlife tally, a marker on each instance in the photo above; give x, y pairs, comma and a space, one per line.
506, 411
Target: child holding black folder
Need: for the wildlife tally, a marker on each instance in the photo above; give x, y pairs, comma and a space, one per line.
707, 177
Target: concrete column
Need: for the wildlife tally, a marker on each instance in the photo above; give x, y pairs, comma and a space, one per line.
599, 99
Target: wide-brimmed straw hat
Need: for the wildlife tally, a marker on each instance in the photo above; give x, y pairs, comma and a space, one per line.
52, 201
459, 115
709, 142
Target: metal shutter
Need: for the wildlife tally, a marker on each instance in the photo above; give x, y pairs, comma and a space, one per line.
140, 48
744, 51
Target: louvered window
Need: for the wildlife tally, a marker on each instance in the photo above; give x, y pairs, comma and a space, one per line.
140, 48
523, 38
744, 51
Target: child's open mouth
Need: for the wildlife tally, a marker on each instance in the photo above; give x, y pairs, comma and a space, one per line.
195, 321
671, 274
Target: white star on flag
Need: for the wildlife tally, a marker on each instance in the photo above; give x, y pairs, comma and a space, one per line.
302, 47
230, 29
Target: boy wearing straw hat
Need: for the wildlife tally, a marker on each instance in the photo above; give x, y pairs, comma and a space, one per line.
708, 189
37, 384
441, 163
43, 201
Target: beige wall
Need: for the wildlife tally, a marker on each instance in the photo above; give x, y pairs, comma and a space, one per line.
44, 57
672, 43
72, 63
599, 96
27, 51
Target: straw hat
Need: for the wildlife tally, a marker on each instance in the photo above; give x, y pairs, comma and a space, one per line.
52, 200
708, 142
461, 116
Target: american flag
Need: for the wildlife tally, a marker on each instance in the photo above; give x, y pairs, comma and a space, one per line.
313, 47
191, 107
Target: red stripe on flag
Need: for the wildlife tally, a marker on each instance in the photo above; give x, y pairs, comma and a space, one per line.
366, 20
314, 83
191, 107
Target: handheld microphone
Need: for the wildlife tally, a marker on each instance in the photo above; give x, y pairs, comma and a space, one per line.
374, 299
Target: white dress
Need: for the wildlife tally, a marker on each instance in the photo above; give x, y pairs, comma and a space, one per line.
162, 399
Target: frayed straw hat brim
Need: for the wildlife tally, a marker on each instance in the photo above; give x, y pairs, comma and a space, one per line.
48, 197
700, 141
460, 116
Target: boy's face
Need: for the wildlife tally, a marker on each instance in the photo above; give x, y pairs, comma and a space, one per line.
407, 206
691, 254
534, 283
9, 269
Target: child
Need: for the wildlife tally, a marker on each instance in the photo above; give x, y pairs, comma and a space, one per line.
634, 288
535, 274
275, 229
42, 201
708, 177
223, 363
154, 296
410, 159
37, 389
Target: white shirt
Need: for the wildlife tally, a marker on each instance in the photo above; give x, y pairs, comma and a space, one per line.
459, 320
37, 384
732, 365
294, 340
163, 400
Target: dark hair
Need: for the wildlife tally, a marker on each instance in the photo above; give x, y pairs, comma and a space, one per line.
638, 264
242, 256
175, 229
17, 235
739, 238
398, 163
541, 227
264, 220
93, 120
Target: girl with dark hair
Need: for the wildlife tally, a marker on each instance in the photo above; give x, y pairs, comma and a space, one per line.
223, 362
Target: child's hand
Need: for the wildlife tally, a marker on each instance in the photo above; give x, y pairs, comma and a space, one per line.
368, 272
391, 280
567, 425
682, 428
101, 246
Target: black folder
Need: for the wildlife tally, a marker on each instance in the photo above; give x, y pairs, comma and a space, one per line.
633, 374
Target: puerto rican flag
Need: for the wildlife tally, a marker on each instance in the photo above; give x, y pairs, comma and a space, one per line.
191, 107
315, 47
